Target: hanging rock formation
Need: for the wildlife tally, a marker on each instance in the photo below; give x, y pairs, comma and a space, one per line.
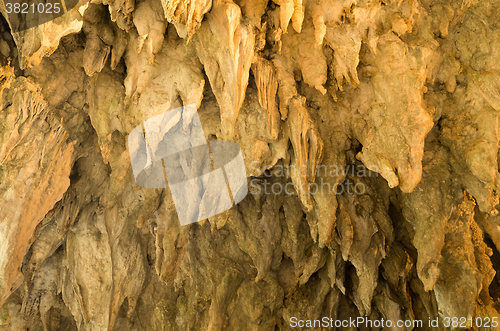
370, 135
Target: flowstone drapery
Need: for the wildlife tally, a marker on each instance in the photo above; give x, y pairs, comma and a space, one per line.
370, 136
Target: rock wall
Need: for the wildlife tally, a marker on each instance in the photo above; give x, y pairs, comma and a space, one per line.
370, 135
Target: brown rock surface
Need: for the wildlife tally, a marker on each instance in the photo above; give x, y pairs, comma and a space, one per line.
370, 136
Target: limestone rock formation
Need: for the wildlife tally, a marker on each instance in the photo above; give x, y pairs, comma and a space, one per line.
370, 135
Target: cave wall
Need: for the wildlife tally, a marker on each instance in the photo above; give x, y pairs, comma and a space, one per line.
370, 136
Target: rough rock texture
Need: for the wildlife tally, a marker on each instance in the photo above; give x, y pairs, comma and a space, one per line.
370, 133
